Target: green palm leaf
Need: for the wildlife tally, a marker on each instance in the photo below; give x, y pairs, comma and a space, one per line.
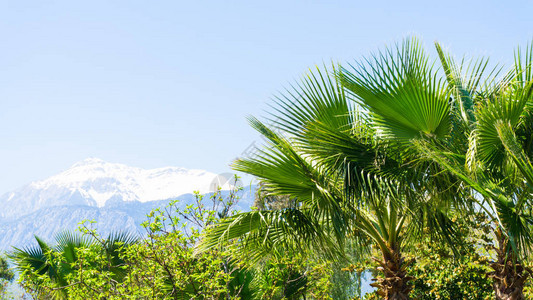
507, 108
402, 90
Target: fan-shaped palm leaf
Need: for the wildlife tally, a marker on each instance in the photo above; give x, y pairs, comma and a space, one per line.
403, 92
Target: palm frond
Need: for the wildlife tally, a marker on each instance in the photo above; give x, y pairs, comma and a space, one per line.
67, 243
286, 171
263, 232
515, 151
319, 97
402, 90
507, 108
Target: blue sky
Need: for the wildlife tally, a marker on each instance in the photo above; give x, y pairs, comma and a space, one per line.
158, 83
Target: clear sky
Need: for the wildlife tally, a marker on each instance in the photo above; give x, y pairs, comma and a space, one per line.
161, 83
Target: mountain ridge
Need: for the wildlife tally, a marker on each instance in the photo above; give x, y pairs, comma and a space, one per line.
93, 182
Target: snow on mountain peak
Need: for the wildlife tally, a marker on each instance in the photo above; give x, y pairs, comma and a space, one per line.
103, 180
93, 182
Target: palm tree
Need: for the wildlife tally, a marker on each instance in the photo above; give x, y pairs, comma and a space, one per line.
56, 262
41, 260
496, 119
347, 160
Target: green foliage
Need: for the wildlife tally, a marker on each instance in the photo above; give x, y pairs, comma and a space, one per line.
292, 277
448, 279
441, 275
6, 274
164, 265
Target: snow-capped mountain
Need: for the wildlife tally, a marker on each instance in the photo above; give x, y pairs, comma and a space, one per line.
115, 195
93, 182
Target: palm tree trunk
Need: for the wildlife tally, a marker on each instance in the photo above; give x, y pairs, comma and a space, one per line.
395, 283
509, 276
